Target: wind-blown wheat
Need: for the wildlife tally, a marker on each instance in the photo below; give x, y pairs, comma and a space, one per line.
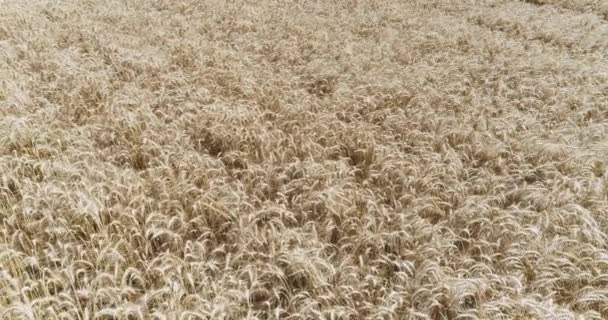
303, 159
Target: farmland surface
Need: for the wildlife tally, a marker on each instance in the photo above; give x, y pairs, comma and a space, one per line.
274, 159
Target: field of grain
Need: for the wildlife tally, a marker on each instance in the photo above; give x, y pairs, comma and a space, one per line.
291, 159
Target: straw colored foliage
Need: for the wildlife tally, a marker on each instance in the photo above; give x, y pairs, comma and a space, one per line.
340, 159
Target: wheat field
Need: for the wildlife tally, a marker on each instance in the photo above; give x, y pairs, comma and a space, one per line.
292, 159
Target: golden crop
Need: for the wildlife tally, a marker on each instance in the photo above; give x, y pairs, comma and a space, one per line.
339, 159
